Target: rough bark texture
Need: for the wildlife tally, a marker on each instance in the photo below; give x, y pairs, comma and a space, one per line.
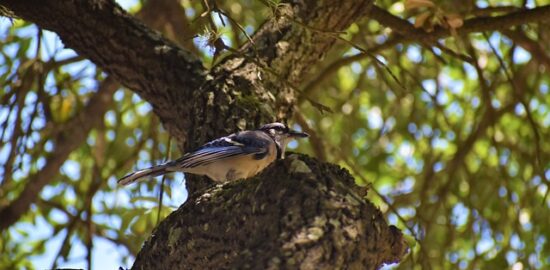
299, 213
308, 220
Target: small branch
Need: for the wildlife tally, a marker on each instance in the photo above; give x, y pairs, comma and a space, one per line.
524, 103
53, 64
161, 186
317, 143
365, 51
537, 149
533, 47
488, 119
16, 134
74, 133
65, 247
344, 61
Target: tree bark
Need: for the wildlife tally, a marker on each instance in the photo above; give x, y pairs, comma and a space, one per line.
308, 218
299, 213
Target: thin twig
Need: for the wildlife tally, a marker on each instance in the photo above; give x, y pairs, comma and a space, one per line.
161, 188
534, 127
336, 65
237, 24
316, 142
336, 35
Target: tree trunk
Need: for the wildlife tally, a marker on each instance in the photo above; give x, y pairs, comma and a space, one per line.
299, 213
293, 215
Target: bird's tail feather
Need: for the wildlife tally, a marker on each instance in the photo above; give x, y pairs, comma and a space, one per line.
139, 175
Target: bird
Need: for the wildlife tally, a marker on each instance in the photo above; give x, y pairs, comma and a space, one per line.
239, 155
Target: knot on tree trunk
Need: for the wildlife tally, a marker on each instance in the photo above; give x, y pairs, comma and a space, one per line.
299, 213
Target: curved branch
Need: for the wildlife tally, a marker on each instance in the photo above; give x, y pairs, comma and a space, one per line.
479, 24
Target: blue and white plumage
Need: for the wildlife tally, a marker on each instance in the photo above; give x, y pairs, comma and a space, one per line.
239, 155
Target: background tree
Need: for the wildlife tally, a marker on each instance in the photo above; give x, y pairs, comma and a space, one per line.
441, 108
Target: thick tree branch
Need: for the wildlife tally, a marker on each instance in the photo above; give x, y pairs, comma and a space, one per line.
311, 218
173, 23
73, 134
141, 59
480, 24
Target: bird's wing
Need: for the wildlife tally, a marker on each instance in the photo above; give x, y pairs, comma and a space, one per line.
242, 143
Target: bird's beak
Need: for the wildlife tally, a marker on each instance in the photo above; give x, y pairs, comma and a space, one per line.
297, 134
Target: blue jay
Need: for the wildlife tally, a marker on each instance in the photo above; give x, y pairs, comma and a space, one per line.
239, 155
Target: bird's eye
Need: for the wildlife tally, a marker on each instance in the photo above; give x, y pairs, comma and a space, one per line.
279, 129
275, 128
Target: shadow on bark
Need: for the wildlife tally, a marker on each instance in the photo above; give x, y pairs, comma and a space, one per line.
299, 213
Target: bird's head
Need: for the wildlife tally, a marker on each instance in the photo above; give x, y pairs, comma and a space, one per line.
281, 134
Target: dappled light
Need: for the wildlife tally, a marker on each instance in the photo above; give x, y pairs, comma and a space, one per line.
440, 109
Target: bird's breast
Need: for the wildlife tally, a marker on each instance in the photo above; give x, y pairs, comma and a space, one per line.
233, 168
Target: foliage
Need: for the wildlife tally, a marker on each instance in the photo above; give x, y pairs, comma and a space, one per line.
450, 137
